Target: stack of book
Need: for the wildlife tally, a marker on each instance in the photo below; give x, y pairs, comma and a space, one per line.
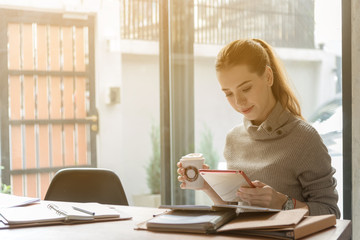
276, 224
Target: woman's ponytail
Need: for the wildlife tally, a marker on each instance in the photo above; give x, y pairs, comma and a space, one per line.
281, 88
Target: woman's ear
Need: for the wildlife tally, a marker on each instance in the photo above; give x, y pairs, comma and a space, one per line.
269, 76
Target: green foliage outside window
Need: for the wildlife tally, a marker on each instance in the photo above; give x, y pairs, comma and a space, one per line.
4, 188
153, 169
206, 147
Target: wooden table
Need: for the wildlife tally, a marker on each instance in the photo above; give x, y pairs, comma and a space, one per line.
125, 230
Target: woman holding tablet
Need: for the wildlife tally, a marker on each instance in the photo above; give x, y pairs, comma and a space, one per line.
282, 154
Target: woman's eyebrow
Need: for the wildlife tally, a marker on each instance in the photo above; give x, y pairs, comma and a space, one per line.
243, 83
226, 89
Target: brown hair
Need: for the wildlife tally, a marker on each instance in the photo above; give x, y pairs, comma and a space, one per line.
257, 54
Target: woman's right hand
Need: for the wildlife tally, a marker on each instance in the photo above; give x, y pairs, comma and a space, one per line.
206, 188
181, 178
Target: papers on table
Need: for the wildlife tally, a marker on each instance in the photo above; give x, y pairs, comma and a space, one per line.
245, 208
8, 200
219, 207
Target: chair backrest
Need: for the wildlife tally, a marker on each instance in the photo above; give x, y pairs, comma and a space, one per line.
87, 185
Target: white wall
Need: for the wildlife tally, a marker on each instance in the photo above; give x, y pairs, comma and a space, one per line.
304, 77
141, 104
311, 72
108, 74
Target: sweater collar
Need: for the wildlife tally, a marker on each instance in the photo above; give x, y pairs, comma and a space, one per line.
273, 127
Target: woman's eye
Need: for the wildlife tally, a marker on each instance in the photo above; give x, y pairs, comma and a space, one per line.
228, 94
246, 89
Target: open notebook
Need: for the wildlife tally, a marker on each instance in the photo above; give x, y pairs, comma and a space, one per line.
46, 213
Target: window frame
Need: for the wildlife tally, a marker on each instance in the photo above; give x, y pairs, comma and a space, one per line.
347, 112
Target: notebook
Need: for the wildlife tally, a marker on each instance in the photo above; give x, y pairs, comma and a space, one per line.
307, 226
265, 220
46, 213
195, 221
42, 213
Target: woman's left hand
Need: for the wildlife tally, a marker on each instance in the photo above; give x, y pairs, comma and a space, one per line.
262, 196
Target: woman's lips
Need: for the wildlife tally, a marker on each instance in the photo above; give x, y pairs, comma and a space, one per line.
247, 110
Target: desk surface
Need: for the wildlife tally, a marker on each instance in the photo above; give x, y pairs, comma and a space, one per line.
125, 230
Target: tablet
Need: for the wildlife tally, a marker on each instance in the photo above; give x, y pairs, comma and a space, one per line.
226, 182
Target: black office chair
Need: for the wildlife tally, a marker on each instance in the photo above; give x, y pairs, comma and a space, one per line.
87, 185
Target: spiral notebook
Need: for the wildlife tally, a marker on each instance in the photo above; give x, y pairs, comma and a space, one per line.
47, 213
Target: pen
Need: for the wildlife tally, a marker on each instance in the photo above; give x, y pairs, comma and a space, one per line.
155, 215
83, 210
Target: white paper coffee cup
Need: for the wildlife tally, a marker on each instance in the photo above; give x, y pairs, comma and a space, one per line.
192, 163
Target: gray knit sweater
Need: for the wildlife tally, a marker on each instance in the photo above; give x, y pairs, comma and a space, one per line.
287, 154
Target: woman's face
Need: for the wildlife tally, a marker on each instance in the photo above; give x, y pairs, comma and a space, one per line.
247, 92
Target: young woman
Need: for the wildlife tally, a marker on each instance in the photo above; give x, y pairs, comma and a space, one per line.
275, 147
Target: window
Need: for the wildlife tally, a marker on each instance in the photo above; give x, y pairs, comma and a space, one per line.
157, 94
47, 98
304, 39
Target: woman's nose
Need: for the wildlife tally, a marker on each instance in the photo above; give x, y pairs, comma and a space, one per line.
240, 100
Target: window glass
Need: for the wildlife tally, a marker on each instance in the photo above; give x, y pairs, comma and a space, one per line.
126, 72
121, 51
303, 37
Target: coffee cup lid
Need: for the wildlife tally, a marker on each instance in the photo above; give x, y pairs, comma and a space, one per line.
192, 156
